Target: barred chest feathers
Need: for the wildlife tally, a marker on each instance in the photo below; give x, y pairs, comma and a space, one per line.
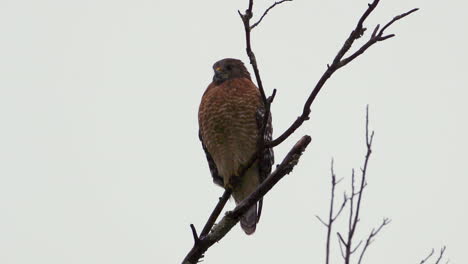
227, 118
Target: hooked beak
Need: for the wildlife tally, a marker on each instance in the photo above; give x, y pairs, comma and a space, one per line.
219, 75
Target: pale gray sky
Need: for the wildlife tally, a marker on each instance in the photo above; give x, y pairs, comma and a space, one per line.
99, 154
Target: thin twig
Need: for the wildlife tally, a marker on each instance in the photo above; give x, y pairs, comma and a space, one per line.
343, 204
354, 201
194, 234
356, 248
266, 12
321, 221
341, 243
246, 17
428, 257
371, 236
441, 254
439, 258
331, 217
216, 212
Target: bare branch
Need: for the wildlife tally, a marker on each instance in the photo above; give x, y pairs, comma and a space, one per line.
397, 18
428, 257
351, 201
339, 62
356, 248
372, 234
214, 215
376, 37
354, 201
246, 17
266, 12
341, 243
441, 254
321, 221
343, 204
233, 217
341, 238
194, 234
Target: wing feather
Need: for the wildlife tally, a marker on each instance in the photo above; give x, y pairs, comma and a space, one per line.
267, 158
214, 171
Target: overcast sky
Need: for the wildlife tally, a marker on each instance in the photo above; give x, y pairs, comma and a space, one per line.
100, 160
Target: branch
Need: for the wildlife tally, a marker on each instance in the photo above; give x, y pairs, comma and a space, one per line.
331, 217
246, 21
341, 243
372, 234
441, 255
376, 37
363, 171
246, 17
428, 257
354, 217
339, 62
266, 12
214, 215
343, 204
231, 218
354, 201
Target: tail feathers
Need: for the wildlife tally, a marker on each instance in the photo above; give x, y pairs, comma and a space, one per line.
249, 220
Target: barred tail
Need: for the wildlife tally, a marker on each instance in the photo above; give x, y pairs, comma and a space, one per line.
246, 186
249, 220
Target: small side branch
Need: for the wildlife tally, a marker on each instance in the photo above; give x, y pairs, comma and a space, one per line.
266, 12
194, 234
215, 214
441, 255
428, 257
371, 236
439, 258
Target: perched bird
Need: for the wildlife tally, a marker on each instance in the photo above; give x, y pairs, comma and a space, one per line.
230, 118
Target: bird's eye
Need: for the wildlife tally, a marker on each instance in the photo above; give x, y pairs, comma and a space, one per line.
228, 67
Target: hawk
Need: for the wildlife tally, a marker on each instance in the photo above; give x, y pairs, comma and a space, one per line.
230, 118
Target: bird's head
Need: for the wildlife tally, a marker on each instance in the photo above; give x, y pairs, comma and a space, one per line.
227, 69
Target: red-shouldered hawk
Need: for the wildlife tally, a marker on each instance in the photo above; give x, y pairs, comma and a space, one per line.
230, 119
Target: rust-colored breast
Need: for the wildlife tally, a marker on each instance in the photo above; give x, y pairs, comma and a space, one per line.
228, 126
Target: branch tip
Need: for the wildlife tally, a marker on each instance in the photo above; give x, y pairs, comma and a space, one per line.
194, 234
266, 12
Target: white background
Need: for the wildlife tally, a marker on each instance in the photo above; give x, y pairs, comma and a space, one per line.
99, 154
